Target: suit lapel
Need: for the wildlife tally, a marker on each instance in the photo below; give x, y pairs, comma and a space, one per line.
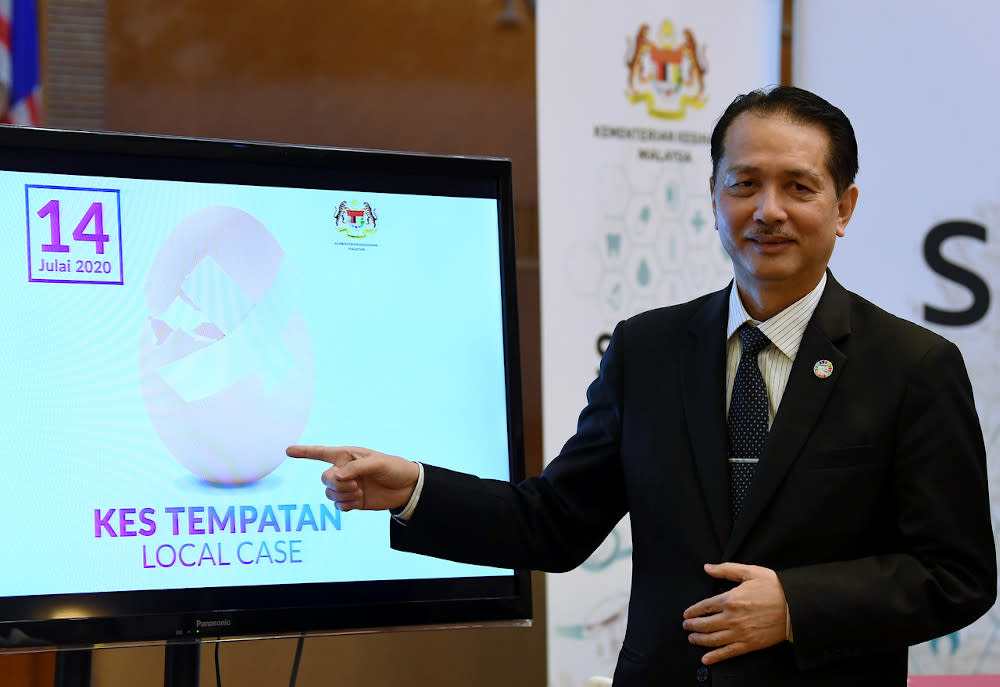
805, 397
703, 365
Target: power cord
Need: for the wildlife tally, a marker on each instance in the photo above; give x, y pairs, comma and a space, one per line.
298, 657
218, 675
295, 663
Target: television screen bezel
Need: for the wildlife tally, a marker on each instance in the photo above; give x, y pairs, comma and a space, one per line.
125, 617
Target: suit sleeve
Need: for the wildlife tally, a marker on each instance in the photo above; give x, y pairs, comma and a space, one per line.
552, 522
939, 573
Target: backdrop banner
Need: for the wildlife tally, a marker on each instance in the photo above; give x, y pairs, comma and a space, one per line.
922, 243
627, 97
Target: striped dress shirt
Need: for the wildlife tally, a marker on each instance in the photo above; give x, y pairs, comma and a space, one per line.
785, 331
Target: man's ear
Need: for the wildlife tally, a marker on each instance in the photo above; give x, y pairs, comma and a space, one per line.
845, 208
711, 192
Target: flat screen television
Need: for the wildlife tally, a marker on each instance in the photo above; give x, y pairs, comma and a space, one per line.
174, 313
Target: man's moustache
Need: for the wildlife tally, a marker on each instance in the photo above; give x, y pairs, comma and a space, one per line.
769, 234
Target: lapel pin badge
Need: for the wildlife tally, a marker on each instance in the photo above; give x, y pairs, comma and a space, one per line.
823, 369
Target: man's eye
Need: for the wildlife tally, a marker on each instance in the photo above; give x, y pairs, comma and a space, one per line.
802, 187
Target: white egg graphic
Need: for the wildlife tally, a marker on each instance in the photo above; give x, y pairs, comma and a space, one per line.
226, 361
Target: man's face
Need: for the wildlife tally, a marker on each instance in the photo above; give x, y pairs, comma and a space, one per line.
775, 205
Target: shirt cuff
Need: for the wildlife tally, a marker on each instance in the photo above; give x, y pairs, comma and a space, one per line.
788, 624
411, 505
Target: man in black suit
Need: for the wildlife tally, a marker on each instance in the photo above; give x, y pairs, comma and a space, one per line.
801, 514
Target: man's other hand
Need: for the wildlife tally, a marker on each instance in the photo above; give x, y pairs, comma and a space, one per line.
360, 478
749, 617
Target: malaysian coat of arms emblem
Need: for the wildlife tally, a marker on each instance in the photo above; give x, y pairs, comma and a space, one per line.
668, 75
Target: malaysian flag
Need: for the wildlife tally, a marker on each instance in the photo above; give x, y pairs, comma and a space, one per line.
19, 63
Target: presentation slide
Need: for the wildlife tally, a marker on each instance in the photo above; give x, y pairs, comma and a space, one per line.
164, 342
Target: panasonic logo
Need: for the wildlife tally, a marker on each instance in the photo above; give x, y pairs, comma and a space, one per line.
212, 623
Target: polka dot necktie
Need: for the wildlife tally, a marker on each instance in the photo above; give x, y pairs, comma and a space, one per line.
748, 416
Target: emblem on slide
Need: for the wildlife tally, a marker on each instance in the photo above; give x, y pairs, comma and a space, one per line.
356, 219
225, 357
666, 71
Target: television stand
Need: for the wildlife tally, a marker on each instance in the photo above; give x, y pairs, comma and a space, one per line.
181, 665
73, 667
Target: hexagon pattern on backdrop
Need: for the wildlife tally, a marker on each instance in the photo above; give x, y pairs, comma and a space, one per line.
656, 242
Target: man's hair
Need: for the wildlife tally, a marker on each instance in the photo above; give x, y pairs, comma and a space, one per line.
800, 106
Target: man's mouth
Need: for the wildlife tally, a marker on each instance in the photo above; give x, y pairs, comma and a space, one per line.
770, 243
769, 238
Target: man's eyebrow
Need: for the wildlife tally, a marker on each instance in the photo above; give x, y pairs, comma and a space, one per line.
803, 173
812, 175
742, 169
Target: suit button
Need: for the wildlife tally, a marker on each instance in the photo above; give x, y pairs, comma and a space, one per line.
702, 674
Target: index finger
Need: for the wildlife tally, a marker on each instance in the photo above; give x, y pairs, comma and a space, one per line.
735, 572
335, 455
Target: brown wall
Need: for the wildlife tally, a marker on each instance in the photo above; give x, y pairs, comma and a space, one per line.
27, 670
440, 76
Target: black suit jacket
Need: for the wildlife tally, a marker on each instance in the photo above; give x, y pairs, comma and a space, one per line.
870, 500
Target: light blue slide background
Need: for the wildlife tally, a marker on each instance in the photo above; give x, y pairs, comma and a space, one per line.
406, 337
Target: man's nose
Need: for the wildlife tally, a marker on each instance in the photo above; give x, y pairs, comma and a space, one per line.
770, 206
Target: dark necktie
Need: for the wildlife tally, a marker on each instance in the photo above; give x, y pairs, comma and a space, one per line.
748, 416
